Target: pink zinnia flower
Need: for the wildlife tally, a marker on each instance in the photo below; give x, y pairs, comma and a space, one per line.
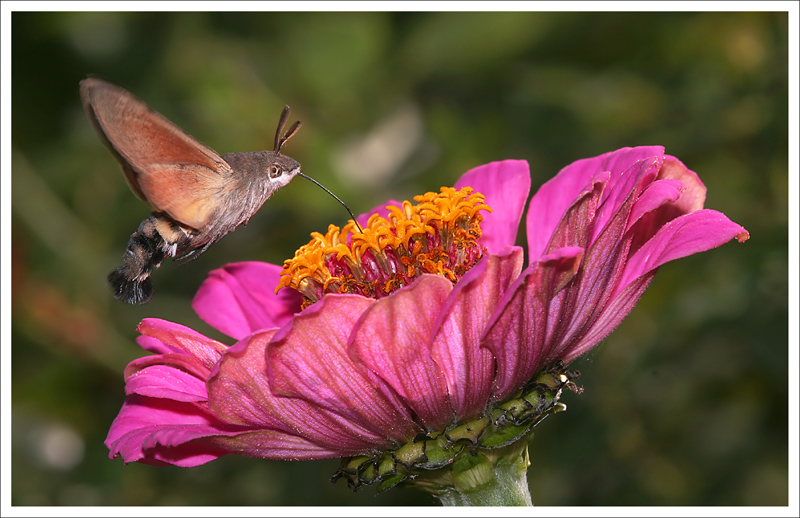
428, 319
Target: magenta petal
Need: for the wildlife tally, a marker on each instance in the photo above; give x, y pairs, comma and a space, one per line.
164, 431
206, 350
624, 187
518, 328
654, 196
239, 299
161, 381
239, 392
623, 159
271, 444
460, 325
576, 225
613, 314
158, 432
574, 311
646, 220
154, 345
178, 361
238, 387
393, 340
505, 185
681, 237
309, 360
693, 195
555, 196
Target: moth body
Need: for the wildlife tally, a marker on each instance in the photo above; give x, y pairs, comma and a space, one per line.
197, 196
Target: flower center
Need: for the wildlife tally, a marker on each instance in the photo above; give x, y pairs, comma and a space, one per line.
436, 235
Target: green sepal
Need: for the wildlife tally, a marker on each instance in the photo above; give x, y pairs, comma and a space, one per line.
439, 452
469, 431
410, 453
504, 435
460, 444
390, 482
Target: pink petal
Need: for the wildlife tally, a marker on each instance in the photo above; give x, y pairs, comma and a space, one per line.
693, 196
649, 215
158, 431
271, 444
505, 186
555, 196
626, 184
179, 361
154, 345
462, 321
309, 360
161, 381
393, 340
609, 319
206, 350
654, 196
239, 299
574, 311
681, 237
518, 328
240, 393
576, 225
238, 387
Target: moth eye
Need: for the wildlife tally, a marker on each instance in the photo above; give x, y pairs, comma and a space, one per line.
274, 171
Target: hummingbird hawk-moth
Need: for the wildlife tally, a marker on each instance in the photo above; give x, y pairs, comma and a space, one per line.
197, 196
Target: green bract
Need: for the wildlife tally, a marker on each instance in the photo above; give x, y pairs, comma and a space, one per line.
461, 445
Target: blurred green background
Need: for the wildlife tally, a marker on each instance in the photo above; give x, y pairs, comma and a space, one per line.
684, 404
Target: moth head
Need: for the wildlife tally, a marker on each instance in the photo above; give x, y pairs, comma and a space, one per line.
281, 169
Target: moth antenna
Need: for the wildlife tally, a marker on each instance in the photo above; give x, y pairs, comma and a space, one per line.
336, 198
281, 124
292, 131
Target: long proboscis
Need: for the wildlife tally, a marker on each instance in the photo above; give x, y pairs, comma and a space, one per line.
336, 198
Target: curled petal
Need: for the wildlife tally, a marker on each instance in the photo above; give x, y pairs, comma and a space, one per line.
573, 311
178, 361
505, 185
189, 341
681, 237
154, 345
626, 184
658, 205
656, 195
161, 381
162, 431
239, 299
693, 196
555, 196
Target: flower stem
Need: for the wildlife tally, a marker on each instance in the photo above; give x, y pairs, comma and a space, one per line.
486, 477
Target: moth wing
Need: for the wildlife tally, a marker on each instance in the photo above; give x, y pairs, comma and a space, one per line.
163, 165
188, 193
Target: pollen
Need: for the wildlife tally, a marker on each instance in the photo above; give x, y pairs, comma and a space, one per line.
436, 235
